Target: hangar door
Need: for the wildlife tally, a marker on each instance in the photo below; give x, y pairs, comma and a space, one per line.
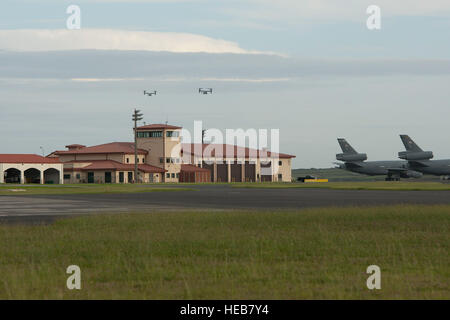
236, 172
222, 172
250, 172
210, 167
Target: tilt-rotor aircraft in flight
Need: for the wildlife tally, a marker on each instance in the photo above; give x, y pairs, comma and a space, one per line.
356, 162
419, 160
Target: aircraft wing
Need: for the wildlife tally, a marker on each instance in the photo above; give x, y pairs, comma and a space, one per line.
353, 165
396, 172
397, 169
403, 173
418, 164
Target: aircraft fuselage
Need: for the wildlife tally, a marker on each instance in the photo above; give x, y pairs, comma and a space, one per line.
375, 168
433, 167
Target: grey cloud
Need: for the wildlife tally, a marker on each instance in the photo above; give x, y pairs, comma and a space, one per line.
160, 65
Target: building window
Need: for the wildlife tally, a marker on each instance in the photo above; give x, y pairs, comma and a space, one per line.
161, 160
178, 175
78, 176
280, 176
67, 177
266, 164
172, 160
173, 175
174, 134
149, 134
280, 163
168, 175
128, 160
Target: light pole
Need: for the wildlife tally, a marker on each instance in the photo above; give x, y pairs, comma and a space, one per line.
137, 116
204, 91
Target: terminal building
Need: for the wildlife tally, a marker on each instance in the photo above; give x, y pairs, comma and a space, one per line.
161, 157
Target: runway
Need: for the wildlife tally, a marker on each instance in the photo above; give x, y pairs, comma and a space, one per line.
44, 208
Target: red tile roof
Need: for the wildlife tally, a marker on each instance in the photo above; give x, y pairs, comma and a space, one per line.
226, 151
158, 126
113, 147
114, 166
26, 158
192, 168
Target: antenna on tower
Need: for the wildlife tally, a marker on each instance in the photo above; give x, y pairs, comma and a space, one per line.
203, 135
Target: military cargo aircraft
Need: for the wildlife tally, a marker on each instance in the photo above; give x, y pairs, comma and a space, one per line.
356, 162
419, 160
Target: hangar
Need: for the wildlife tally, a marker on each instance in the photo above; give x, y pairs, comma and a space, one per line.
30, 168
228, 163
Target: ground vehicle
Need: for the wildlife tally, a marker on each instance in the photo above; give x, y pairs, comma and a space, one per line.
308, 177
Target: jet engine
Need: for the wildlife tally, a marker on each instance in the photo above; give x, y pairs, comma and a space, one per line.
421, 155
346, 157
411, 174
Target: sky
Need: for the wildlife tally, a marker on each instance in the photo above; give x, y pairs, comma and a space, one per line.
310, 68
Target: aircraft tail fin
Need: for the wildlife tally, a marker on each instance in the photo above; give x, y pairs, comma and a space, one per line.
346, 147
349, 154
409, 144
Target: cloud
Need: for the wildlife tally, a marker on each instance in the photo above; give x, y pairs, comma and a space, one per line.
166, 66
255, 80
105, 79
337, 10
109, 39
398, 7
182, 79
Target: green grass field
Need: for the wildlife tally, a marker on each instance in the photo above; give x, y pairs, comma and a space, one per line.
308, 254
375, 185
86, 188
130, 188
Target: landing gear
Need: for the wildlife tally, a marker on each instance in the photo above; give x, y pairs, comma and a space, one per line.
392, 179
